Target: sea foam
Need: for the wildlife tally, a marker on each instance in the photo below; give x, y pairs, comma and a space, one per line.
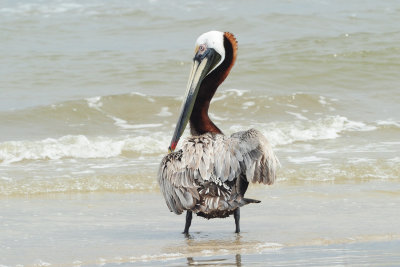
81, 146
330, 127
156, 142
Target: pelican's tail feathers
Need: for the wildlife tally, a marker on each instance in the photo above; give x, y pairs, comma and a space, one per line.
249, 200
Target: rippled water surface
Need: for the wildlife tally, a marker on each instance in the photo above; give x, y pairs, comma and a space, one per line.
89, 96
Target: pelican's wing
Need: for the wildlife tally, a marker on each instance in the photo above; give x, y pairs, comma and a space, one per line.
177, 183
218, 158
254, 152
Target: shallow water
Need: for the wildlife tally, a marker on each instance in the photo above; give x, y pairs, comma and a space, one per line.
293, 224
90, 94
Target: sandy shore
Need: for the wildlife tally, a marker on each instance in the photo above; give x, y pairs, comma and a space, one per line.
352, 254
316, 224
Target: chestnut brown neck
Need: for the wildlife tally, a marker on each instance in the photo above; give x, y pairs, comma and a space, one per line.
200, 122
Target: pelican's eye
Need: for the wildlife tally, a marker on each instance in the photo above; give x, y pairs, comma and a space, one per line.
202, 48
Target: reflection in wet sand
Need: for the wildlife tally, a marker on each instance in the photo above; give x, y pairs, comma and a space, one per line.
219, 247
215, 261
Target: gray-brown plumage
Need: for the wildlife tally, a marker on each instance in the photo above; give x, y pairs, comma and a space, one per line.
210, 174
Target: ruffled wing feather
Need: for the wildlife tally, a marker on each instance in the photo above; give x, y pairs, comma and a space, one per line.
218, 159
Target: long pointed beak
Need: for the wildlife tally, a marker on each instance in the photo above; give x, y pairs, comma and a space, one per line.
202, 64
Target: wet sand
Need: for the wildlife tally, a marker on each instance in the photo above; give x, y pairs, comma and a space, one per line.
353, 254
307, 224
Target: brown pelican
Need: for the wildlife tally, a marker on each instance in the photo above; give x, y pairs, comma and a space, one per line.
210, 174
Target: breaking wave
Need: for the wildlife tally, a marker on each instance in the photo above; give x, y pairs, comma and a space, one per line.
80, 146
156, 142
104, 143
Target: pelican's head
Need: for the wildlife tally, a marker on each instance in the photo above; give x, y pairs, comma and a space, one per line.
209, 54
210, 45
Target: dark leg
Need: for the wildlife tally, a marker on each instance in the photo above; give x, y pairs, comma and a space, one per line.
188, 222
236, 215
238, 260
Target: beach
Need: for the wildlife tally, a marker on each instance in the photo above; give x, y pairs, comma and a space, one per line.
90, 94
330, 225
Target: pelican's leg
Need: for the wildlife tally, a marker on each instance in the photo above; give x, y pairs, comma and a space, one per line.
188, 221
236, 215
